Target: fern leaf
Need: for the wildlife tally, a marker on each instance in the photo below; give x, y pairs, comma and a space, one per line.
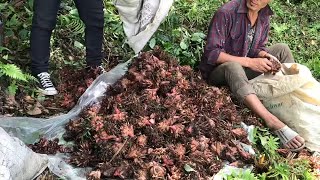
13, 72
29, 77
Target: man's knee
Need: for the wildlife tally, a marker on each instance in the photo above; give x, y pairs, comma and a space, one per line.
93, 17
47, 23
232, 66
282, 47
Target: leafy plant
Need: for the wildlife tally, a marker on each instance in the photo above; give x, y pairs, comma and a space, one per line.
277, 166
183, 32
268, 143
15, 74
242, 175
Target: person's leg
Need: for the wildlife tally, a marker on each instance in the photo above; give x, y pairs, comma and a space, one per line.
271, 121
234, 75
43, 22
282, 52
91, 13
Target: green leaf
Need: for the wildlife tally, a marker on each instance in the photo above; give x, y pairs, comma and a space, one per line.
183, 45
263, 140
77, 44
152, 43
197, 37
188, 168
3, 49
13, 72
12, 89
5, 57
74, 12
23, 34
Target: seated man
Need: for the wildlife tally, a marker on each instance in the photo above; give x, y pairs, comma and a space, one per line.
235, 52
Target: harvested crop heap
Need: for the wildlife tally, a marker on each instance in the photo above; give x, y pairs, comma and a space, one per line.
160, 120
45, 146
72, 83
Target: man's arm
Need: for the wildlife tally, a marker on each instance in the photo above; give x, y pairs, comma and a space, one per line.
225, 57
216, 38
256, 64
214, 50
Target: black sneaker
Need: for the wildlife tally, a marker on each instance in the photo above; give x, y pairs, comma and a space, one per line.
101, 69
96, 70
45, 84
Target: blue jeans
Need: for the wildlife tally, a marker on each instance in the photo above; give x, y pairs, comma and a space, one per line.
44, 21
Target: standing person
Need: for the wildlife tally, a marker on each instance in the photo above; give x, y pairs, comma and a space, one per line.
44, 21
236, 52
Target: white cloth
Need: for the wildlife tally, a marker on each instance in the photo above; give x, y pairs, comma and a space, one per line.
141, 19
292, 95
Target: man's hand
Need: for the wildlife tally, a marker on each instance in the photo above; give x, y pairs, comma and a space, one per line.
272, 58
276, 64
262, 65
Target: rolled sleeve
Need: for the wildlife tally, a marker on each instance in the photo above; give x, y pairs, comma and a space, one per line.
216, 38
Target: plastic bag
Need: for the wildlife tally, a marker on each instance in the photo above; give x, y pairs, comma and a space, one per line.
141, 19
59, 167
129, 11
292, 95
29, 164
17, 160
29, 129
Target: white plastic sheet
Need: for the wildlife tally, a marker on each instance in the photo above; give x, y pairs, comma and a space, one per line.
18, 161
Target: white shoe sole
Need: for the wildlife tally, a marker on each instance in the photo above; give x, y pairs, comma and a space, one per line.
49, 92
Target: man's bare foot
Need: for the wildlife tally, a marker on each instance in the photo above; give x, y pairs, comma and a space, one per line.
289, 138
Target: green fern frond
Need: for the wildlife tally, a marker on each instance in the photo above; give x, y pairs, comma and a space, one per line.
29, 77
12, 71
12, 89
73, 22
76, 25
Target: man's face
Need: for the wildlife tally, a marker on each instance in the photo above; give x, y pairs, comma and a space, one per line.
256, 5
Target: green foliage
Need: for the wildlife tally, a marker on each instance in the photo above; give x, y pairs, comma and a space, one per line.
286, 170
72, 21
15, 74
183, 32
17, 24
268, 143
279, 168
298, 26
243, 175
12, 71
12, 88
